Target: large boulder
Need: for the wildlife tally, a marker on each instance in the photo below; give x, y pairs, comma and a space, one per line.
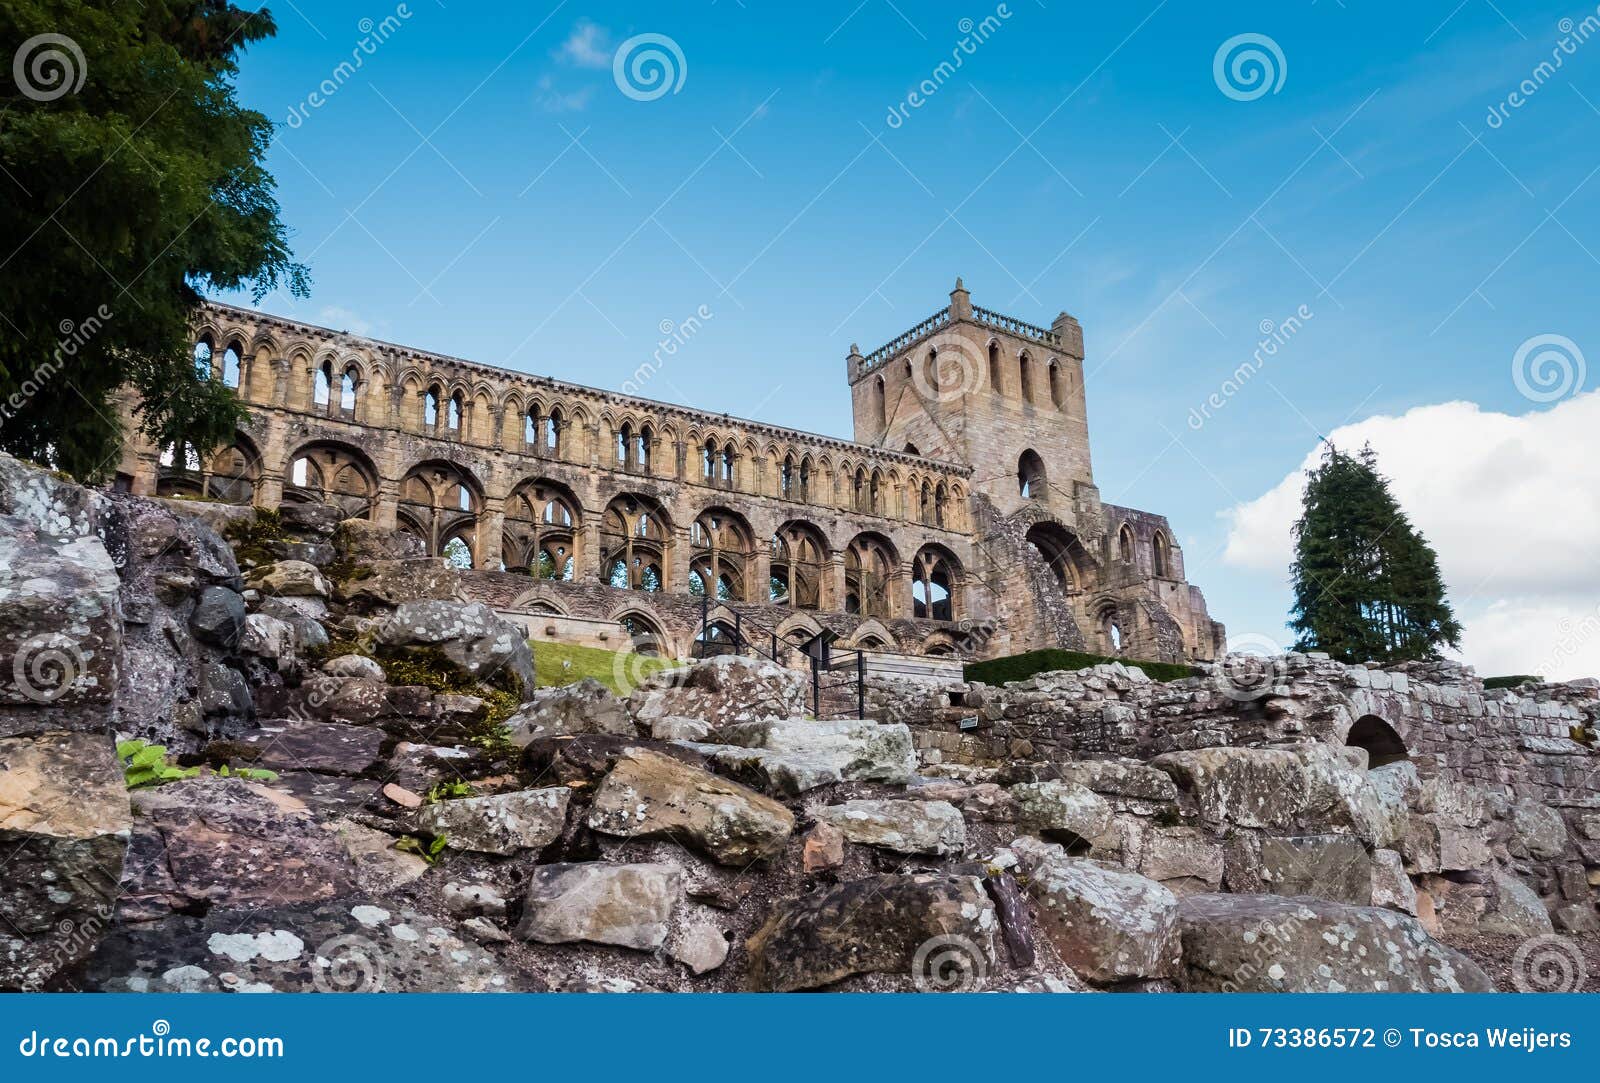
326, 747
722, 690
1064, 811
1182, 859
1245, 787
1327, 866
648, 795
384, 584
479, 643
1108, 924
1537, 830
904, 826
64, 827
567, 710
1518, 910
225, 842
289, 579
806, 753
361, 541
932, 928
218, 617
627, 905
355, 945
1268, 943
499, 823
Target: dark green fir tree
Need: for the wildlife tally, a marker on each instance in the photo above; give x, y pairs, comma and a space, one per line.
1366, 583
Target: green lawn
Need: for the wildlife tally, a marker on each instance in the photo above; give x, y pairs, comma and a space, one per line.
561, 663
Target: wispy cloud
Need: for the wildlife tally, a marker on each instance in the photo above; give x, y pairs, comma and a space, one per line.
588, 46
552, 99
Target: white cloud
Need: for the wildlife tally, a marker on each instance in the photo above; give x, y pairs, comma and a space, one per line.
588, 46
1511, 503
554, 100
344, 320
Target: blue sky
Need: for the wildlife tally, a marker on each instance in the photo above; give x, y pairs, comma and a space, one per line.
482, 186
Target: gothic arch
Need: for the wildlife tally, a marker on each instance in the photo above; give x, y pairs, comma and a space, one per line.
1068, 559
543, 522
440, 502
721, 552
329, 472
635, 544
870, 564
935, 584
799, 556
1381, 741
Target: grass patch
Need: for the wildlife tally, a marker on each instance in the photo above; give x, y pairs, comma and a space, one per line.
564, 663
1019, 667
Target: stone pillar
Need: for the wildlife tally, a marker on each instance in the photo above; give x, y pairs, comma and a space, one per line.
490, 531
586, 565
832, 585
960, 302
678, 558
388, 503
759, 569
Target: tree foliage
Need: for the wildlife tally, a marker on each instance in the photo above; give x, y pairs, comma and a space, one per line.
133, 184
1366, 583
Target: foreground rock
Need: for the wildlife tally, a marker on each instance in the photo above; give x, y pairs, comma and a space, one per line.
906, 827
499, 823
789, 756
626, 905
356, 945
567, 710
1269, 944
478, 642
907, 925
648, 795
1109, 925
64, 828
723, 690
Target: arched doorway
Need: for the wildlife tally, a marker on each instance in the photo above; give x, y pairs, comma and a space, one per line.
1382, 743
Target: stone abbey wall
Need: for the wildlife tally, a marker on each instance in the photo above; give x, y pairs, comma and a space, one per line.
611, 507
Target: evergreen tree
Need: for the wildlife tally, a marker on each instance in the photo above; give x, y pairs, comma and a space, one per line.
132, 181
1366, 583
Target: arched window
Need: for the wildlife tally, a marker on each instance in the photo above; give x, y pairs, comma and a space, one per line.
1030, 475
553, 429
347, 388
880, 397
1125, 544
1160, 556
322, 384
925, 504
868, 567
728, 458
708, 462
1382, 743
875, 493
805, 478
1064, 554
798, 553
933, 585
911, 449
231, 368
202, 360
646, 438
721, 546
333, 474
634, 544
440, 501
1057, 392
1111, 630
453, 418
858, 491
541, 530
994, 367
624, 442
941, 498
458, 553
530, 428
643, 633
430, 407
1025, 377
786, 480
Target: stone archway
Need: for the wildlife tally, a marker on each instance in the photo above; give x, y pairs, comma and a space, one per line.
1382, 742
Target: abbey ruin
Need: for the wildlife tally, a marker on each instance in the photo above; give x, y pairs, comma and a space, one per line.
963, 520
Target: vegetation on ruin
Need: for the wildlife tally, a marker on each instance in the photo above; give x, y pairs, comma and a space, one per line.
561, 663
1491, 683
1019, 667
250, 537
1366, 583
146, 174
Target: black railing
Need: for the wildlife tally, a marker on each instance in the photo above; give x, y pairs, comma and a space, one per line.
745, 638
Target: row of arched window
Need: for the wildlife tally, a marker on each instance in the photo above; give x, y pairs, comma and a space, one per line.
940, 379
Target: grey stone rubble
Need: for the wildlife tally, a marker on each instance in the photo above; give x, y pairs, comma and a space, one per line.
1339, 827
